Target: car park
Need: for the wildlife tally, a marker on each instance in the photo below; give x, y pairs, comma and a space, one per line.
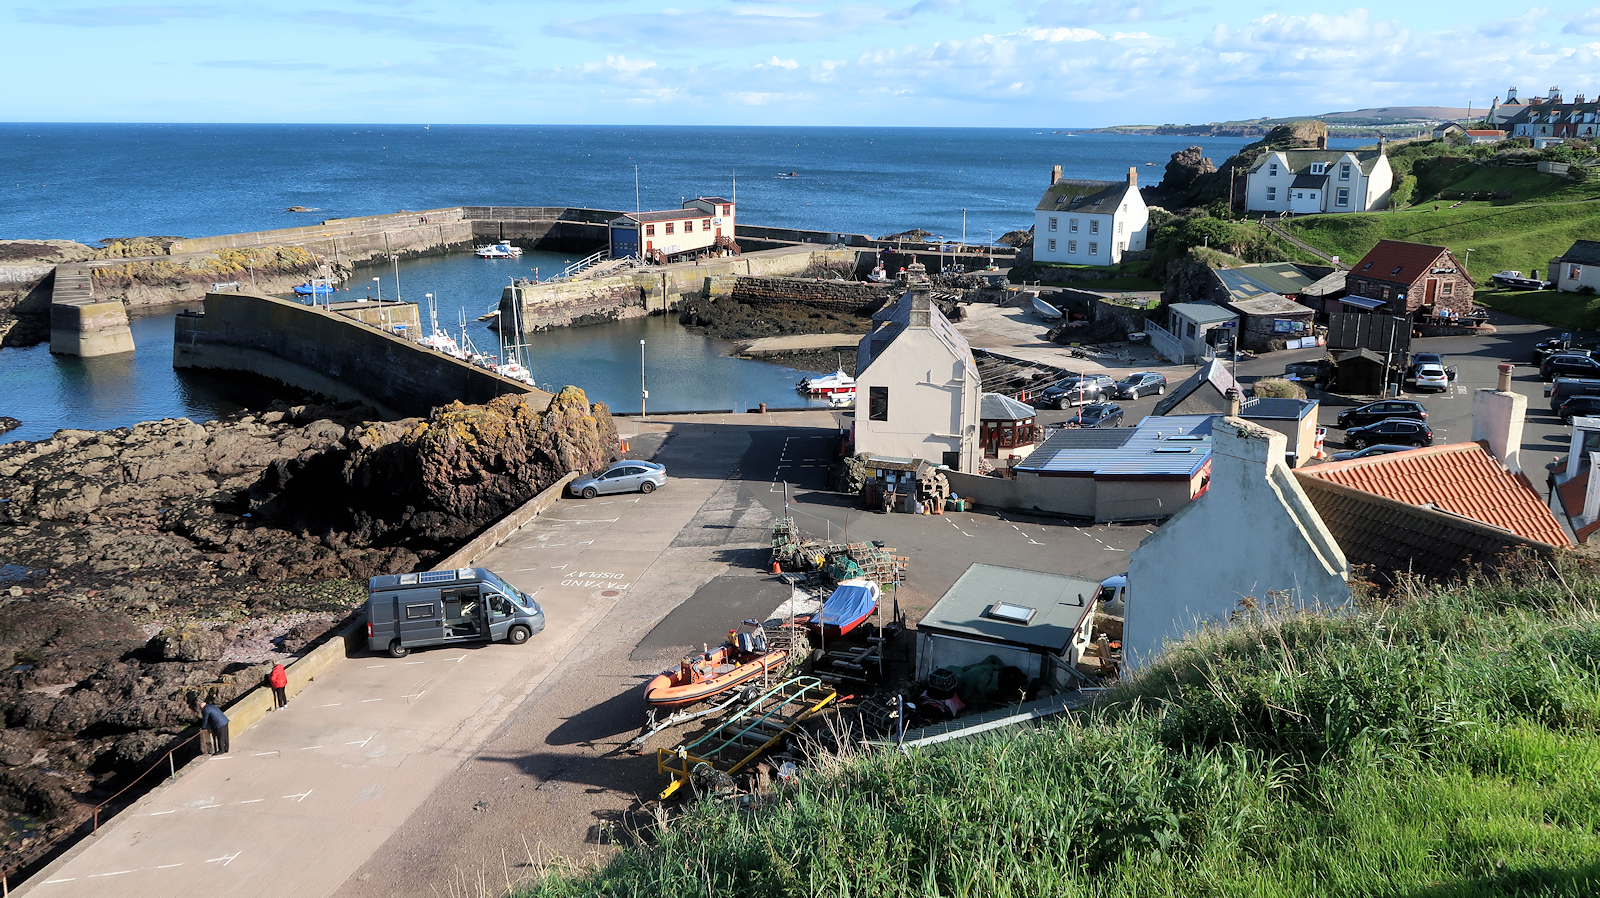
1391, 432
1558, 345
1563, 388
625, 476
1080, 389
1569, 364
1373, 412
1141, 383
1375, 449
1582, 406
1101, 414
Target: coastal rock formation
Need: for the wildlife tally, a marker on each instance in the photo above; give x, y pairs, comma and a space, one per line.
1185, 167
1204, 187
26, 267
144, 568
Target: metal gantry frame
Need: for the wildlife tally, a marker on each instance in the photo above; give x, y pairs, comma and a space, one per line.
739, 740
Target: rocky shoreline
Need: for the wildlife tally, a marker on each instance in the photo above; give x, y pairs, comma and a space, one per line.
143, 569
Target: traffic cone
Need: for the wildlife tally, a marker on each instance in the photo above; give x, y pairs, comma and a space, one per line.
775, 568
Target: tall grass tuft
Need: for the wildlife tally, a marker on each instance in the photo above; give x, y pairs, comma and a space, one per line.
1444, 741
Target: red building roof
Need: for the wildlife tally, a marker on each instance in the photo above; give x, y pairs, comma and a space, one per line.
1459, 478
1396, 262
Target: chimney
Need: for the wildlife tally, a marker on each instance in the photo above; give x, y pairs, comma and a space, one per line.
1233, 401
1591, 496
1322, 141
1383, 145
1555, 93
1055, 175
1133, 176
1577, 99
1497, 418
1511, 95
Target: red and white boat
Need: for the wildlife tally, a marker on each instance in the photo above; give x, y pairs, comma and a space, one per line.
827, 384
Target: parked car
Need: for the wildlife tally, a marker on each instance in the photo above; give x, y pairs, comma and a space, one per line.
1390, 432
1078, 390
1101, 414
1557, 345
1298, 371
1579, 407
1377, 449
1373, 412
1432, 377
625, 476
1141, 383
1569, 364
1563, 388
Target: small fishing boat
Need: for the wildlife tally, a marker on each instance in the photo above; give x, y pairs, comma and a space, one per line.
437, 338
852, 602
310, 289
837, 382
842, 400
515, 371
878, 275
744, 658
1046, 311
501, 250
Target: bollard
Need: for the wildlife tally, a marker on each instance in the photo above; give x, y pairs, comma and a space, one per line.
763, 408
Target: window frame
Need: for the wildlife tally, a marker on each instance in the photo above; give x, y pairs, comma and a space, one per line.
1053, 222
1094, 248
1342, 198
877, 403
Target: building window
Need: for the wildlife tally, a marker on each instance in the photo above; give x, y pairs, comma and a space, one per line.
688, 227
705, 225
1072, 247
1344, 172
1272, 194
1574, 272
1344, 196
649, 230
727, 210
1094, 249
1119, 227
1449, 287
878, 403
1189, 332
1052, 224
1272, 170
1094, 225
669, 227
1052, 246
1072, 226
1319, 168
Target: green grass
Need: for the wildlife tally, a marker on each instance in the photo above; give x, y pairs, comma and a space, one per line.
1442, 742
1518, 237
1525, 184
1571, 311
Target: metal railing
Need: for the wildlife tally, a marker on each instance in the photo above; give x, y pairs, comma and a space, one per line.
582, 265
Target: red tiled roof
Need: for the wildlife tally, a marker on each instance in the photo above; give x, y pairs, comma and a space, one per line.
1460, 478
1572, 495
1397, 262
1485, 132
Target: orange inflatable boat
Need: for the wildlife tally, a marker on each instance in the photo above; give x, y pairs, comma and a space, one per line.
702, 675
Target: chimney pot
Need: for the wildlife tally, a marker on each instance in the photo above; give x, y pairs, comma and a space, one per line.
1133, 176
1322, 141
1055, 175
1233, 401
1504, 384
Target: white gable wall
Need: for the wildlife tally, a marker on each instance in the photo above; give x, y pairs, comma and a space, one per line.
933, 401
1197, 568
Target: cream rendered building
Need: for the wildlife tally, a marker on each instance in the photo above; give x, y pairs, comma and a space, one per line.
917, 387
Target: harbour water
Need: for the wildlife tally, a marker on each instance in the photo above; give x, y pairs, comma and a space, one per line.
87, 182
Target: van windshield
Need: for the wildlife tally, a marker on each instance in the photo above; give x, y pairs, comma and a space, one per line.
515, 593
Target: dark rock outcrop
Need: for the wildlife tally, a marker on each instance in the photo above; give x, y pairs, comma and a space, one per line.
1184, 168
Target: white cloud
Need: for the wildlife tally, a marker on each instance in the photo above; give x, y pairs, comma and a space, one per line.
1056, 35
1095, 12
1528, 23
1585, 23
783, 63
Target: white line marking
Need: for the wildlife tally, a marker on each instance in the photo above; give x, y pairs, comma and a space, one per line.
311, 748
206, 807
68, 879
456, 659
375, 666
227, 859
555, 567
159, 813
168, 866
366, 700
416, 694
250, 801
409, 663
298, 798
116, 873
363, 743
331, 705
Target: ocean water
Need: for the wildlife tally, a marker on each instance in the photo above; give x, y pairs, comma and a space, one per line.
87, 182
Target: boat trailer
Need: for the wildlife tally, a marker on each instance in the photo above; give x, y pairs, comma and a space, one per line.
740, 739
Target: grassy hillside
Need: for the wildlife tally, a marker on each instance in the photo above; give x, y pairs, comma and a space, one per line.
1518, 236
1445, 742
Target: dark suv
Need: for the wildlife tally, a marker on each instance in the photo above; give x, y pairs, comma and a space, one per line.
1579, 407
1080, 390
1373, 412
1101, 414
1141, 383
1569, 365
1394, 431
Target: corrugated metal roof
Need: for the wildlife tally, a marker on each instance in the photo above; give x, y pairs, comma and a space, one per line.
1202, 312
1273, 277
1058, 603
1266, 408
1175, 446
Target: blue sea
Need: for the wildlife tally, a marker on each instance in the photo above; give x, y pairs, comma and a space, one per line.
88, 182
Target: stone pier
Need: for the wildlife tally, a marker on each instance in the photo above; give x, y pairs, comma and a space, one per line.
82, 325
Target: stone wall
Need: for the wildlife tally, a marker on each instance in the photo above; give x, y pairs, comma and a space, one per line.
830, 295
330, 354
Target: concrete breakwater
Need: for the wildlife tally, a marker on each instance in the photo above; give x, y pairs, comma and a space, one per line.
331, 354
660, 288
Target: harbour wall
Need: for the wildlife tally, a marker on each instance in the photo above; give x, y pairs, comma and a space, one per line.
328, 353
649, 290
850, 296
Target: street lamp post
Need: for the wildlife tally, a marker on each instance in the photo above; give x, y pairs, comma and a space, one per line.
643, 393
380, 289
963, 229
395, 258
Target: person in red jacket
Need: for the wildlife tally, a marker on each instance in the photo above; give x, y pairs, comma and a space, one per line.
279, 681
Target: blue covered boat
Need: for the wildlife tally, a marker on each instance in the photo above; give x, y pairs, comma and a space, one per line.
310, 289
851, 603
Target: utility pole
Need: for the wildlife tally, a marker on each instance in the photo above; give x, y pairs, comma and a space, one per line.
636, 187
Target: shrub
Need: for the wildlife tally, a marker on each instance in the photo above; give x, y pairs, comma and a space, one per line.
1278, 388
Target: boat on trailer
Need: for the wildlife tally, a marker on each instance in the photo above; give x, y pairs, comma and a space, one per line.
852, 602
313, 289
1046, 311
746, 658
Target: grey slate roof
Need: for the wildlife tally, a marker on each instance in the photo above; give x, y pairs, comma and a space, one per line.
1328, 286
1157, 448
1300, 160
1069, 195
1267, 408
1213, 372
1202, 312
911, 310
1269, 277
1306, 180
1583, 252
998, 407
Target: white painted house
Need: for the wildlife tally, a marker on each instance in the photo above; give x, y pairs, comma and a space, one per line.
1577, 268
917, 387
1090, 222
1304, 182
1185, 576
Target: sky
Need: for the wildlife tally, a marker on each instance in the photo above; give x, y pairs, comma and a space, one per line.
1029, 63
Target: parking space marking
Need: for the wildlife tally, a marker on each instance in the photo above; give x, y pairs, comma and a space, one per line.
363, 742
160, 813
225, 860
251, 801
311, 748
367, 700
298, 798
113, 873
166, 866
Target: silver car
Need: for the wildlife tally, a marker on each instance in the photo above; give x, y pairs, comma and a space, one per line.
625, 476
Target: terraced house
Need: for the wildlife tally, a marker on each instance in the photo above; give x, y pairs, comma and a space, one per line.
1089, 222
1305, 182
